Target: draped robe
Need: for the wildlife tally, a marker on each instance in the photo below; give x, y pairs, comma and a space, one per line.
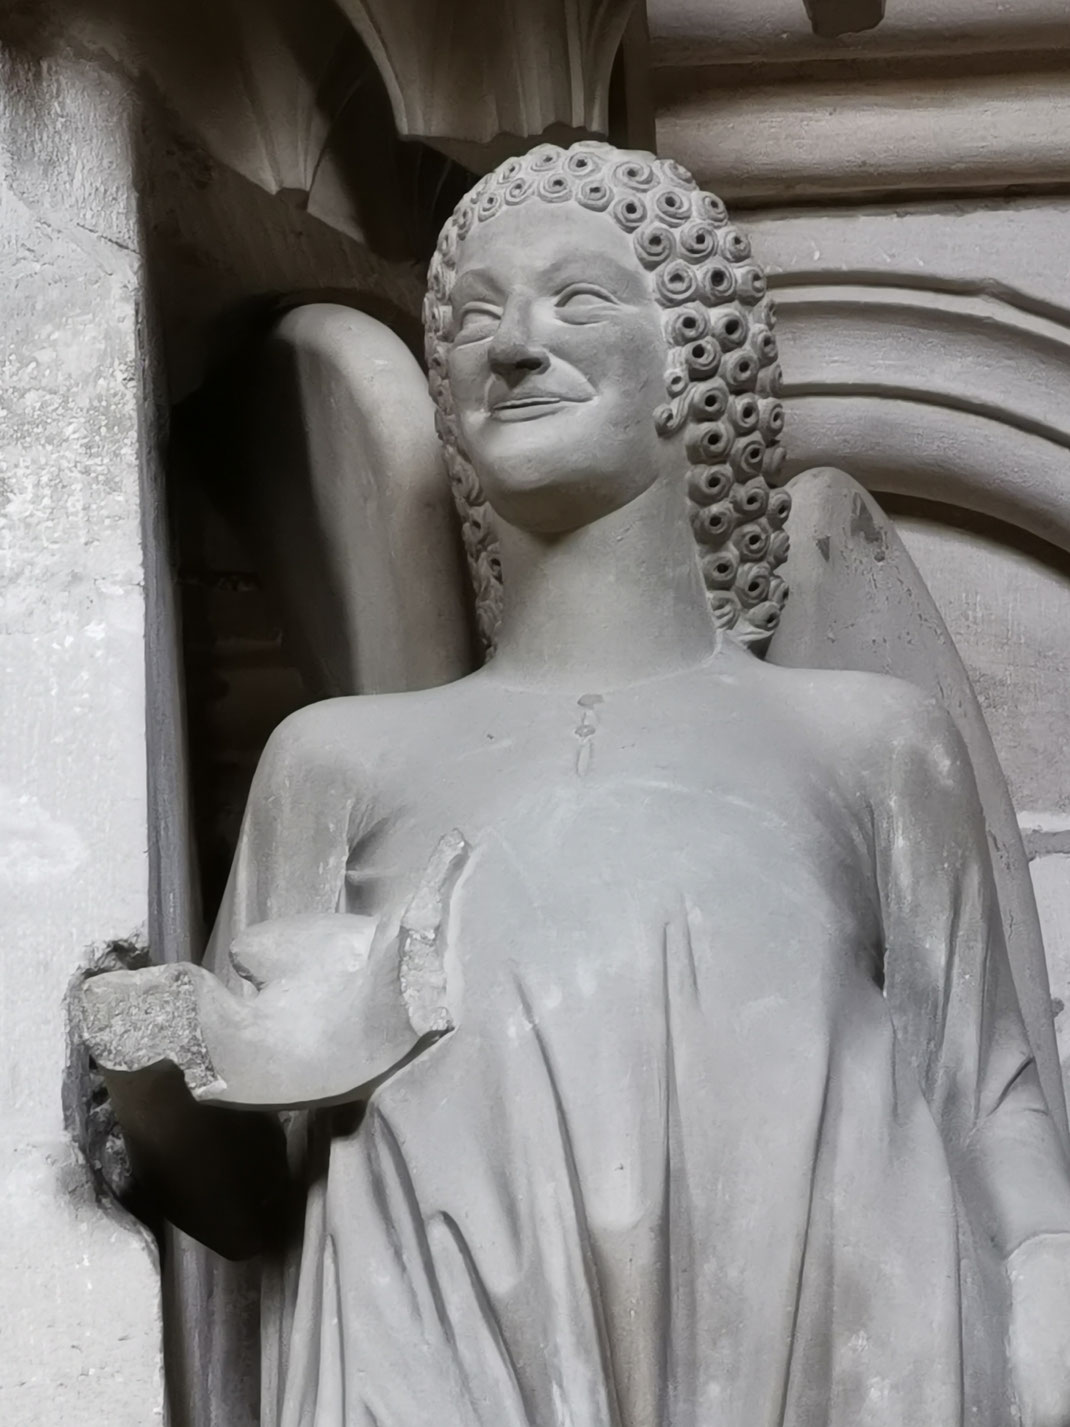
737, 1062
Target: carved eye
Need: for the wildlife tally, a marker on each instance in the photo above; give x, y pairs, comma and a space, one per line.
584, 303
476, 321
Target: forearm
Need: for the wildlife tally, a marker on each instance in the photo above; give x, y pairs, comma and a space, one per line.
301, 1041
335, 1003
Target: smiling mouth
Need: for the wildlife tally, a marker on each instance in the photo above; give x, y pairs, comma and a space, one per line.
519, 407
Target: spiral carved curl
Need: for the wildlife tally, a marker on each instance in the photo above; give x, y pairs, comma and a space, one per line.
722, 377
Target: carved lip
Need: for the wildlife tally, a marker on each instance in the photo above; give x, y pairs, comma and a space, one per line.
522, 408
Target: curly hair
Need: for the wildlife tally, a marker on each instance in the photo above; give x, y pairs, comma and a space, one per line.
722, 376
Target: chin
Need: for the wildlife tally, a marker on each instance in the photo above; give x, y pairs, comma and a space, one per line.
558, 471
553, 500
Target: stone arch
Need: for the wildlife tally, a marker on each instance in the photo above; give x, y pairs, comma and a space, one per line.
947, 396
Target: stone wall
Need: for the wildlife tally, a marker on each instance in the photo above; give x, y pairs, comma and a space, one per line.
896, 184
81, 1332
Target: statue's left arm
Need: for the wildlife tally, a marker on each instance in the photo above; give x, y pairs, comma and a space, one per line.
951, 995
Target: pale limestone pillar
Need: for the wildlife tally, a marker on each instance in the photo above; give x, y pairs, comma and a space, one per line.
80, 1336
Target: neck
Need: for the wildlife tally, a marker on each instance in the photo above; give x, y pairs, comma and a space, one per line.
615, 602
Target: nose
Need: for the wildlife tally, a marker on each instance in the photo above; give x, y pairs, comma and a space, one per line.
515, 351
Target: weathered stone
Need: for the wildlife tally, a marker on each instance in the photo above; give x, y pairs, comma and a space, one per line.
81, 1339
721, 921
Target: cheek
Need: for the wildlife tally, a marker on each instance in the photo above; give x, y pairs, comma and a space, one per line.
630, 355
466, 372
634, 376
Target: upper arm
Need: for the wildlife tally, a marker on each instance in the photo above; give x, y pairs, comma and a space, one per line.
307, 795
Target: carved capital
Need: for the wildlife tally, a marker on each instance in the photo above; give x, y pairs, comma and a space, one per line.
472, 70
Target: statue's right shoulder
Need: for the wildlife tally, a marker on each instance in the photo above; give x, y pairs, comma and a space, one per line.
354, 731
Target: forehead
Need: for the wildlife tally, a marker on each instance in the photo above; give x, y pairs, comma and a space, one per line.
538, 242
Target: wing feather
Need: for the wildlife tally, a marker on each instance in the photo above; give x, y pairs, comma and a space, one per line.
858, 602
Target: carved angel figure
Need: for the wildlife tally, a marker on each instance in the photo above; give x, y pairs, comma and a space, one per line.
645, 1003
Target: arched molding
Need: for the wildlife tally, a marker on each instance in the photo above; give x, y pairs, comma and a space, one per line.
937, 453
923, 392
756, 139
979, 353
694, 32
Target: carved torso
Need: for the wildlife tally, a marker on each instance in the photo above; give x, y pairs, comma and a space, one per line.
675, 1141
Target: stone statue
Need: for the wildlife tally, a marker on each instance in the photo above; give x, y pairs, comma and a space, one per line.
643, 1005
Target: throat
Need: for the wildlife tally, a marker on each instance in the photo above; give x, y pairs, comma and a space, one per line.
615, 602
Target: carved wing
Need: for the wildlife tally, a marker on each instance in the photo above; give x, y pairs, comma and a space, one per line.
345, 485
333, 459
859, 602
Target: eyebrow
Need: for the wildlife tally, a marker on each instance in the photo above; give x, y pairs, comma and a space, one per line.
573, 265
570, 266
475, 277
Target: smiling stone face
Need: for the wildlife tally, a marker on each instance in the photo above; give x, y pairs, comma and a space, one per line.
556, 365
578, 255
